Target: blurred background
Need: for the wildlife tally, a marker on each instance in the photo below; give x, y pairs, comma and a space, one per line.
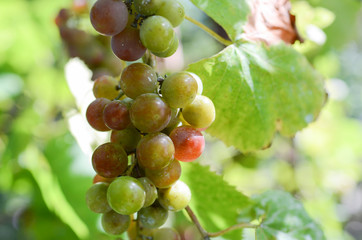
46, 144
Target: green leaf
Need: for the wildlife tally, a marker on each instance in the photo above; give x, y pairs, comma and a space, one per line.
215, 203
230, 14
258, 90
285, 218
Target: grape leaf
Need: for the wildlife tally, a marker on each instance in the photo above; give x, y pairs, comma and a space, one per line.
285, 218
258, 90
215, 203
230, 14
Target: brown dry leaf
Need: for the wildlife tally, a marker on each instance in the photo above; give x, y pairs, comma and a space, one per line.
270, 21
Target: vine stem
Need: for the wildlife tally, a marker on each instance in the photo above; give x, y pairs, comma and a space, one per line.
206, 235
209, 31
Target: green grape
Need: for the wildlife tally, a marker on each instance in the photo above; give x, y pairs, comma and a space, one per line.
179, 89
155, 151
199, 82
149, 113
126, 195
174, 122
156, 34
96, 198
137, 79
171, 50
114, 223
166, 234
167, 176
147, 7
200, 113
173, 11
105, 87
152, 217
128, 138
175, 198
150, 189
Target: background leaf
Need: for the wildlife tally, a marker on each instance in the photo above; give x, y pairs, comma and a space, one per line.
285, 218
215, 203
258, 90
230, 14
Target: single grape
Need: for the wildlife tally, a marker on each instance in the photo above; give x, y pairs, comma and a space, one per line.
189, 143
155, 151
179, 89
150, 189
200, 113
171, 50
128, 138
149, 113
137, 79
114, 223
96, 198
173, 11
116, 115
147, 7
152, 217
126, 195
166, 234
109, 160
98, 178
109, 17
94, 114
127, 45
176, 197
105, 87
156, 34
167, 176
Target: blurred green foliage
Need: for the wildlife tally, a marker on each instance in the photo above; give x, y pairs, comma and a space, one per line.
44, 174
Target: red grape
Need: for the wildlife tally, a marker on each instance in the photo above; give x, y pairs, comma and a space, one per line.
109, 160
189, 143
94, 114
167, 176
127, 45
116, 115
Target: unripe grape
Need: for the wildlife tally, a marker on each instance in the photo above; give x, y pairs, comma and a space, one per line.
156, 34
175, 198
94, 114
152, 217
128, 138
150, 189
114, 223
109, 160
200, 113
109, 17
126, 195
149, 113
166, 234
155, 151
147, 7
167, 176
171, 50
179, 89
105, 87
189, 143
173, 11
137, 79
96, 198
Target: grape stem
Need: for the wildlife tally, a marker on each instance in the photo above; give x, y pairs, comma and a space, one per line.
206, 235
121, 93
133, 164
209, 31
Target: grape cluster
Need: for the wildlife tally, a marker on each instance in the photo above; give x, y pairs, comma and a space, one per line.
155, 123
138, 25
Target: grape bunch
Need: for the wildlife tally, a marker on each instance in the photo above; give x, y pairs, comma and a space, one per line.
155, 122
138, 25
